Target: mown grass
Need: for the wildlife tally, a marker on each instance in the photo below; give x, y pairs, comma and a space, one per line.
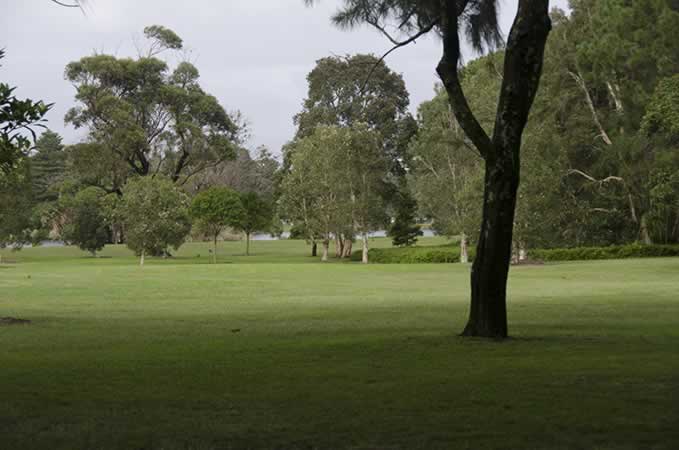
283, 353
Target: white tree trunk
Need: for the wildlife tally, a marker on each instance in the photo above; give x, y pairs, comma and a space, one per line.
364, 259
141, 260
326, 244
464, 253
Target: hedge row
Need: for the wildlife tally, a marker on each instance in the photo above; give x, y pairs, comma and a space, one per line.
612, 252
451, 253
412, 255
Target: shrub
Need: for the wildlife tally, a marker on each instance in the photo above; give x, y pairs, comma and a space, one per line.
612, 252
449, 253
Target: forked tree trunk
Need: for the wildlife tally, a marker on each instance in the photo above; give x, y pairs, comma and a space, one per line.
364, 258
522, 69
348, 248
326, 246
464, 252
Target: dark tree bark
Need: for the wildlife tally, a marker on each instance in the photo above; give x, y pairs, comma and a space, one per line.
314, 249
522, 70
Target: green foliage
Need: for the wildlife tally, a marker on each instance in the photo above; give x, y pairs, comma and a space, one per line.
612, 252
17, 117
16, 217
257, 214
88, 226
155, 215
215, 209
48, 167
147, 118
404, 231
662, 112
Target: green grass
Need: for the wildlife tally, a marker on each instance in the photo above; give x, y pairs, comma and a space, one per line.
332, 356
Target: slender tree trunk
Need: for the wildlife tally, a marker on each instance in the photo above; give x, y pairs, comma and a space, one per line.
326, 246
364, 258
214, 250
314, 249
348, 248
247, 244
339, 245
141, 259
464, 252
643, 231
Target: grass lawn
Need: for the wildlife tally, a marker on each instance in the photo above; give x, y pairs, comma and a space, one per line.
282, 353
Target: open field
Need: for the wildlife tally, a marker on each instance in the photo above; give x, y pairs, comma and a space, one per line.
282, 353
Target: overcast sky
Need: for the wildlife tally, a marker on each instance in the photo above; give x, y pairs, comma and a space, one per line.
253, 55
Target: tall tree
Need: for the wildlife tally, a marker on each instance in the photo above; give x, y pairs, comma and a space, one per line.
150, 119
501, 151
48, 166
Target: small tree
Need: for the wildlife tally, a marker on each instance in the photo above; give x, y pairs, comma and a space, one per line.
155, 215
257, 216
214, 210
88, 228
404, 231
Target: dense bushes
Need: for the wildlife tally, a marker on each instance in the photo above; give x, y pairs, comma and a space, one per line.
412, 255
612, 252
451, 253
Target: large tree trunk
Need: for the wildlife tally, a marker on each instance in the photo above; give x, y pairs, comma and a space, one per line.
522, 70
364, 258
488, 314
141, 259
339, 245
643, 231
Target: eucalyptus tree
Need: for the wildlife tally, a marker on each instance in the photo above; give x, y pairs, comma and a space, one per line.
150, 118
477, 19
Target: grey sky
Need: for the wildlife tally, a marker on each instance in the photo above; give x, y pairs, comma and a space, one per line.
253, 55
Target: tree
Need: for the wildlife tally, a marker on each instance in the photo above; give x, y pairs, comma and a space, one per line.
215, 209
48, 166
155, 215
501, 151
88, 227
404, 231
150, 119
367, 170
17, 118
257, 216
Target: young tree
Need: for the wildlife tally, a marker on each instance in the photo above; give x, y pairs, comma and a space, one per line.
404, 231
501, 152
257, 216
88, 225
367, 171
215, 209
155, 215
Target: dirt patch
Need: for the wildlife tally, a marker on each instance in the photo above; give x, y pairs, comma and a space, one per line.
7, 321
